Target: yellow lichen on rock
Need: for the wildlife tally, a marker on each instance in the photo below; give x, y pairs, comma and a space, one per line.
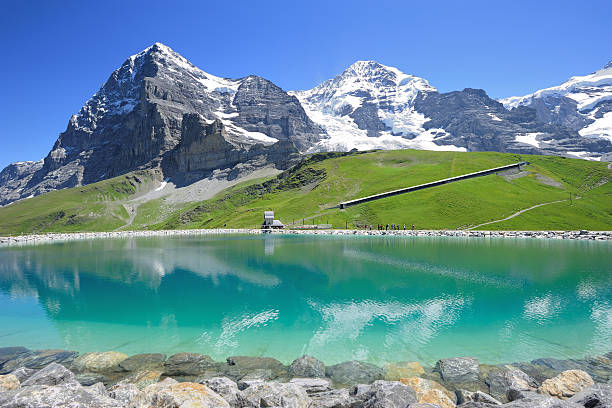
9, 382
428, 391
404, 369
566, 384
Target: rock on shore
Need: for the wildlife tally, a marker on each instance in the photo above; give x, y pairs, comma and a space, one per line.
152, 381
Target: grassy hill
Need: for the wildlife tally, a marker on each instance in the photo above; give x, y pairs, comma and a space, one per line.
307, 193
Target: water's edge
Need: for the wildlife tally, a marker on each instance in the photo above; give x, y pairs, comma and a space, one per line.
564, 235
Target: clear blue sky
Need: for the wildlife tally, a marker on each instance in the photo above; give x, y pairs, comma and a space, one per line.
55, 54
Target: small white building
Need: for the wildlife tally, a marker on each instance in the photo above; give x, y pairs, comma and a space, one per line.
270, 222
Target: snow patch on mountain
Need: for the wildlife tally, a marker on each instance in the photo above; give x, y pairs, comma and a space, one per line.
591, 93
372, 93
587, 91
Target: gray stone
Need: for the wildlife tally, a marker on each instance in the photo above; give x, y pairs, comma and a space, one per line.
87, 379
313, 385
307, 367
354, 372
256, 376
539, 401
142, 361
274, 395
225, 387
390, 394
10, 353
361, 390
97, 388
465, 396
458, 369
123, 393
331, 399
423, 405
188, 364
501, 380
39, 359
53, 374
64, 395
246, 368
599, 368
23, 373
596, 396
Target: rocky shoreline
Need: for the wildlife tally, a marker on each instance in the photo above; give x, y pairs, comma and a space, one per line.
62, 378
582, 235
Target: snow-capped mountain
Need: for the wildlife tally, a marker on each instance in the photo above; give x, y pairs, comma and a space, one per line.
136, 119
369, 106
158, 110
583, 103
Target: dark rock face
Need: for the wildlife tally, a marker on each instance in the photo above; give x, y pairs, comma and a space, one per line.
264, 107
366, 117
136, 118
478, 123
14, 178
458, 370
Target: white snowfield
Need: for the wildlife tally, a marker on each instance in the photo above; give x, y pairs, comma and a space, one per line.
587, 91
390, 90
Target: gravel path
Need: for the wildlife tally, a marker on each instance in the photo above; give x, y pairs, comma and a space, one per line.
515, 214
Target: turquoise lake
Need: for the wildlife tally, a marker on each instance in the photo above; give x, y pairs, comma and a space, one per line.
377, 299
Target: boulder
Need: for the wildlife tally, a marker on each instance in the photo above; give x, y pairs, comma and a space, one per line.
257, 376
595, 396
423, 405
389, 394
38, 359
274, 395
123, 393
403, 369
458, 369
428, 391
307, 367
183, 394
87, 379
96, 362
566, 384
331, 399
10, 353
354, 372
225, 387
8, 382
598, 367
540, 401
97, 388
70, 395
53, 374
23, 373
505, 378
361, 391
140, 362
142, 379
188, 364
238, 367
313, 385
465, 396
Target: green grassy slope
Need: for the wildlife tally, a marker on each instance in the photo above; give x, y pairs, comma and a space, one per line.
456, 205
95, 207
322, 181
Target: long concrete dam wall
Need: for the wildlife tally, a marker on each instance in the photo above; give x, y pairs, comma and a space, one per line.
432, 184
